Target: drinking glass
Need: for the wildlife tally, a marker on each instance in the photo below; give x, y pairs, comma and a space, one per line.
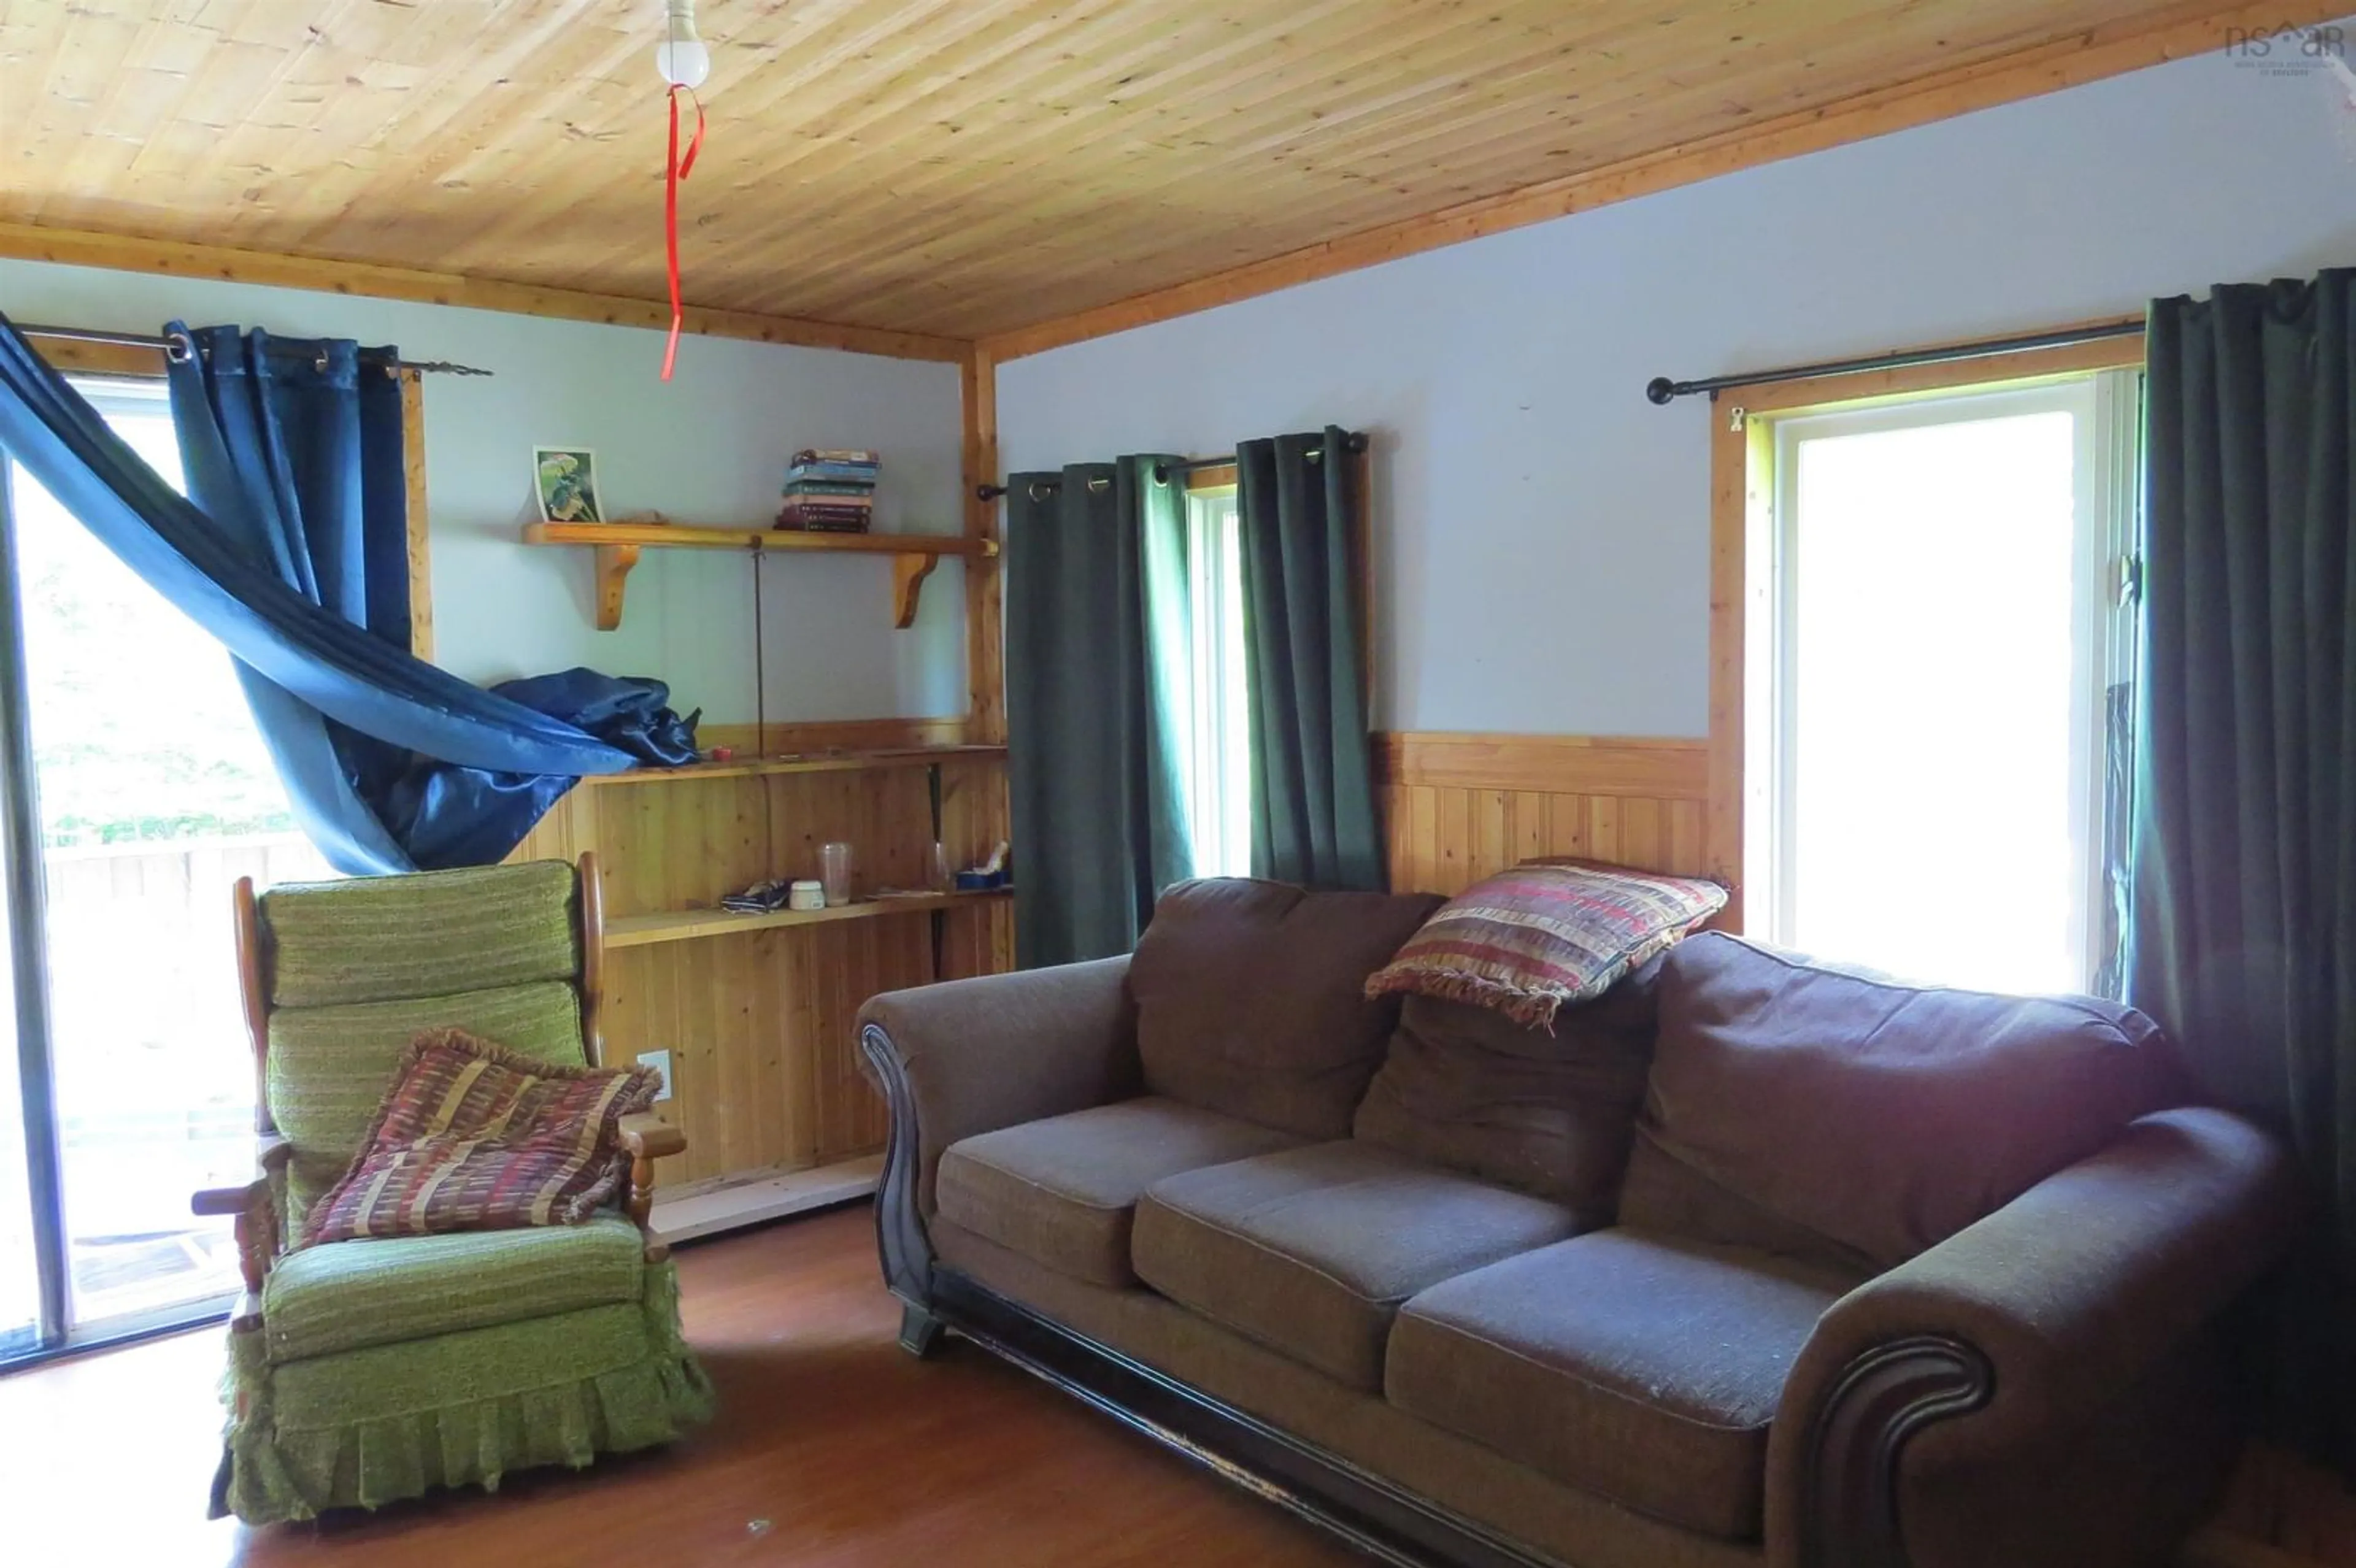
835, 865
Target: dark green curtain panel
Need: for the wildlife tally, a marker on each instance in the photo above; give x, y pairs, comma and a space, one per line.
2243, 917
1312, 782
1096, 644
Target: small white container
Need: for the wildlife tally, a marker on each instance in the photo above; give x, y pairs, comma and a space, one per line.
805, 895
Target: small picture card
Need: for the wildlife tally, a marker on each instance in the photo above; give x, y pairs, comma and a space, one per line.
564, 478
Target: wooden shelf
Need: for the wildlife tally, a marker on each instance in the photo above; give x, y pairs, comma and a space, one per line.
618, 546
806, 763
687, 925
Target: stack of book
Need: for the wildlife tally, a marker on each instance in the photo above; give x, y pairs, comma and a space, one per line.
831, 490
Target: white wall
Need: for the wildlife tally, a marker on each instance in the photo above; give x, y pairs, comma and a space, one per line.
709, 447
1541, 529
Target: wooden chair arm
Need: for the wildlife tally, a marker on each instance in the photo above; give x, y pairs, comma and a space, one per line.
647, 1136
215, 1201
255, 1210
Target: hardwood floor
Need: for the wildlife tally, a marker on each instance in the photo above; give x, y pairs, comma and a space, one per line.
833, 1449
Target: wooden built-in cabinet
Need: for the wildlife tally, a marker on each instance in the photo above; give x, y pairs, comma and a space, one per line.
759, 1011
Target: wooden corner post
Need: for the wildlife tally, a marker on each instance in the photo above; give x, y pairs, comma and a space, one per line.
985, 628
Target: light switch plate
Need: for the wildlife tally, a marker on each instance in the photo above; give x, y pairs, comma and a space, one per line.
660, 1062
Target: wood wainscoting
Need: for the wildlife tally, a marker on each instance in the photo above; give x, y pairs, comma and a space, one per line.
1458, 807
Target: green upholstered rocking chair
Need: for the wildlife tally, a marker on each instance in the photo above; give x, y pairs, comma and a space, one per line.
365, 1371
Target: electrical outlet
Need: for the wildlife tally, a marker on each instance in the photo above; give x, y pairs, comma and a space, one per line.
660, 1062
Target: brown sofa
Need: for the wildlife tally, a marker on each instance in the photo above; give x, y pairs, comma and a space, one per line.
1750, 1261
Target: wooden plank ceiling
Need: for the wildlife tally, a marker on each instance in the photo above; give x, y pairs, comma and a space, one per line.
961, 167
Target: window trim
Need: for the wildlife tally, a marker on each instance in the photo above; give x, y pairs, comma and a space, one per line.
1741, 509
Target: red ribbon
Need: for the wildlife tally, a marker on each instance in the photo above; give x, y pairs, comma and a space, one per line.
675, 169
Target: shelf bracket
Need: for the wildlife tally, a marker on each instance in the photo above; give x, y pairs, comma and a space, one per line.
908, 575
614, 563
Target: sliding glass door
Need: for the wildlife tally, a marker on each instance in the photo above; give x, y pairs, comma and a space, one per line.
148, 794
21, 1313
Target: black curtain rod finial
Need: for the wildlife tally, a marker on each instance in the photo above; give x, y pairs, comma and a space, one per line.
987, 493
1661, 389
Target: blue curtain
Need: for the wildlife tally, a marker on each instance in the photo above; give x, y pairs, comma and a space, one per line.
294, 451
273, 552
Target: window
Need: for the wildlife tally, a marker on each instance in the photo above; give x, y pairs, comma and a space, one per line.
1939, 653
1218, 796
154, 793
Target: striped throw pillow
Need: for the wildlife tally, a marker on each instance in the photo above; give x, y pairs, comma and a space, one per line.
473, 1137
1526, 942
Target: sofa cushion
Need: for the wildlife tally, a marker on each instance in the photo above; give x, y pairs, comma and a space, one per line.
1311, 1251
346, 1295
1060, 1190
1880, 1115
1662, 1193
1250, 999
1640, 1367
1549, 1113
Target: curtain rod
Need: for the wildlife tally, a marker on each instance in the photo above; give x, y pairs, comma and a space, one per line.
1661, 389
1355, 442
178, 348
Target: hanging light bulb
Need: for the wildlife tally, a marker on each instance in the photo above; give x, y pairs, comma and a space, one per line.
681, 56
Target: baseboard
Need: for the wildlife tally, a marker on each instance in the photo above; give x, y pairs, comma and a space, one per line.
716, 1209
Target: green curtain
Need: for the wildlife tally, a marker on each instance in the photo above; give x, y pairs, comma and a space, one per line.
2243, 915
1096, 639
1314, 820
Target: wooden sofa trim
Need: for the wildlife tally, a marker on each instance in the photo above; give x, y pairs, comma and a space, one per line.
1848, 1483
1371, 1513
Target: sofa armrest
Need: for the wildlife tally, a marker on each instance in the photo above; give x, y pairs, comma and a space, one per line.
971, 1056
2021, 1327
